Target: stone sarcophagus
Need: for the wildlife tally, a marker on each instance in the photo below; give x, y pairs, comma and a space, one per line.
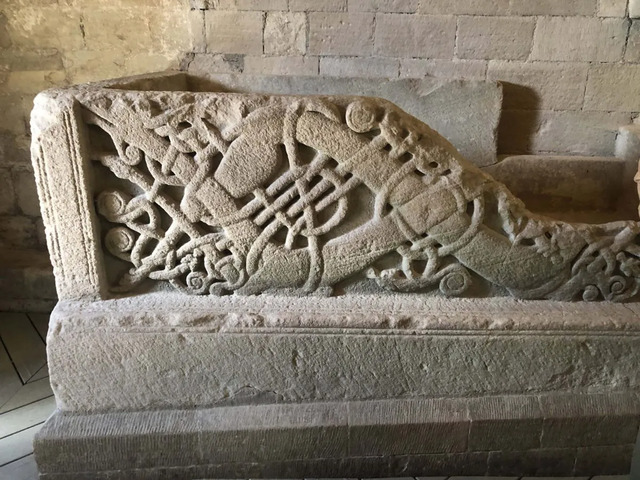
316, 285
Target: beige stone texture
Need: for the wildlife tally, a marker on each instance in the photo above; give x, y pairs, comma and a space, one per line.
216, 63
341, 33
628, 143
540, 85
25, 60
634, 8
390, 6
612, 8
315, 6
570, 39
285, 34
507, 38
17, 232
263, 5
359, 67
7, 194
464, 69
613, 88
26, 194
44, 27
553, 7
464, 7
568, 132
632, 52
400, 35
234, 32
280, 65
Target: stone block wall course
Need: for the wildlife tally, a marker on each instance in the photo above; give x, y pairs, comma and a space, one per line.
570, 68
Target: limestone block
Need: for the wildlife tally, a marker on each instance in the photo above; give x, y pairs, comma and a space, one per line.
359, 67
461, 69
43, 59
616, 460
396, 6
632, 53
540, 85
285, 34
26, 281
127, 31
565, 187
612, 8
577, 133
634, 8
547, 461
7, 194
262, 5
317, 440
26, 194
172, 355
340, 33
33, 81
571, 39
570, 423
628, 142
216, 63
464, 7
36, 27
314, 6
305, 66
613, 88
17, 232
507, 38
234, 32
400, 35
553, 7
520, 430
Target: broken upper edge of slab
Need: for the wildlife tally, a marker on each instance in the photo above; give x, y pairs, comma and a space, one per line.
219, 193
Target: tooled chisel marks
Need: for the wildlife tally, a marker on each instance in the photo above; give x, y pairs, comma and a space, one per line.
222, 193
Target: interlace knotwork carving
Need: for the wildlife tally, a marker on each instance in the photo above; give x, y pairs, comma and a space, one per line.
223, 193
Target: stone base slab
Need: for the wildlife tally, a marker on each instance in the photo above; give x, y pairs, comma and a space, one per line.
166, 351
504, 435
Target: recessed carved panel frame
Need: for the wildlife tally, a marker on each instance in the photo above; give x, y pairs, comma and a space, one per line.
222, 193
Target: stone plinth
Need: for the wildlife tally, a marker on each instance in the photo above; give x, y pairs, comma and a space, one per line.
262, 285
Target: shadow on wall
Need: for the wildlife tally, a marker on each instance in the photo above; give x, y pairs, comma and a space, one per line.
520, 119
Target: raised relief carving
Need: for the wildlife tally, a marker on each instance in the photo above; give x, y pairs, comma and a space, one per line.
222, 193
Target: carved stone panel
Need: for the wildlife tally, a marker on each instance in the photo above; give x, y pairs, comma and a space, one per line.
220, 193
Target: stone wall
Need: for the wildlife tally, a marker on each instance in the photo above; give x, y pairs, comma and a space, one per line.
572, 67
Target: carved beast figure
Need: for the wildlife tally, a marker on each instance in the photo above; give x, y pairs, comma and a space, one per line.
224, 193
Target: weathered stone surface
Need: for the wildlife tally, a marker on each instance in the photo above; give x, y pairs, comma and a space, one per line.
507, 38
305, 66
464, 7
315, 6
632, 52
462, 69
415, 36
359, 67
340, 33
571, 188
249, 253
628, 142
612, 8
540, 85
634, 8
613, 88
26, 194
553, 7
285, 34
567, 132
308, 440
26, 281
177, 359
395, 6
7, 194
234, 32
600, 40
